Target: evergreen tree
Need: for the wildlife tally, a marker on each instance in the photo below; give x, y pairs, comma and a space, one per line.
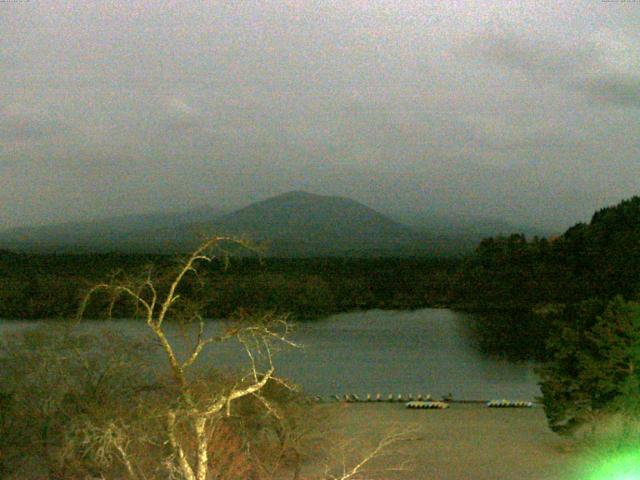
595, 364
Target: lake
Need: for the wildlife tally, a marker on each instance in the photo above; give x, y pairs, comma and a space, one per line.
427, 351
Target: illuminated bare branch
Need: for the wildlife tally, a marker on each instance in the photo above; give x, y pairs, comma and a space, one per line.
355, 471
256, 338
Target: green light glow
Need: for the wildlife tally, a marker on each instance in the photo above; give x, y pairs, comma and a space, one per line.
625, 466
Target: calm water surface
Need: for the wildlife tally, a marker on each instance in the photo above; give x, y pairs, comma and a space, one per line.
420, 352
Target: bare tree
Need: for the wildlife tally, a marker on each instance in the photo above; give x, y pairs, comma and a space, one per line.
197, 413
194, 414
364, 452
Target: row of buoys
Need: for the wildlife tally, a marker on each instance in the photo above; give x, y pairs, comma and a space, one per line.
427, 405
419, 400
353, 398
509, 404
491, 404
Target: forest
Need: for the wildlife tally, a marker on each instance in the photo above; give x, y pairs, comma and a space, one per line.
51, 286
521, 287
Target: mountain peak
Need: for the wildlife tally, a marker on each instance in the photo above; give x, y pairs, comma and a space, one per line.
318, 223
299, 195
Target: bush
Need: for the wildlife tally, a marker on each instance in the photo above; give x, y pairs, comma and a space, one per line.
51, 381
74, 405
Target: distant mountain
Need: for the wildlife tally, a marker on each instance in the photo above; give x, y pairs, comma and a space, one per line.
293, 224
300, 223
122, 233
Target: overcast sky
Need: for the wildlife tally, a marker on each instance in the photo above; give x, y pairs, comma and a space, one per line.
528, 110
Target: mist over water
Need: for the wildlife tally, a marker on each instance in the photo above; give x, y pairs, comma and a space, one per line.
427, 351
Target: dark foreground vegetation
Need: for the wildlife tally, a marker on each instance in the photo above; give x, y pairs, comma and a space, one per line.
76, 406
572, 301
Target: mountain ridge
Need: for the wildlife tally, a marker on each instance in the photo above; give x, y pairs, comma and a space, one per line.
295, 223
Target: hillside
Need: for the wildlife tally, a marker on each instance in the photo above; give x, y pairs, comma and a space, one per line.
598, 259
521, 284
607, 250
302, 223
129, 233
292, 224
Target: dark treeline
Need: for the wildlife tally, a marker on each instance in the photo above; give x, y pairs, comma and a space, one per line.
523, 288
51, 286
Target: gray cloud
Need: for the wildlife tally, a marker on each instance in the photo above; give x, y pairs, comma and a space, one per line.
177, 116
534, 55
19, 124
591, 67
623, 91
447, 106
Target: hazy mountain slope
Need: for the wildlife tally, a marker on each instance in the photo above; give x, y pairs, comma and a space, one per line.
321, 222
129, 232
293, 224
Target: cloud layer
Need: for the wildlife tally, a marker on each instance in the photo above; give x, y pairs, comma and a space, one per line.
524, 110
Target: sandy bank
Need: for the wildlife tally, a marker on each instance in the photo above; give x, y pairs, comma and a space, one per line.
462, 442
